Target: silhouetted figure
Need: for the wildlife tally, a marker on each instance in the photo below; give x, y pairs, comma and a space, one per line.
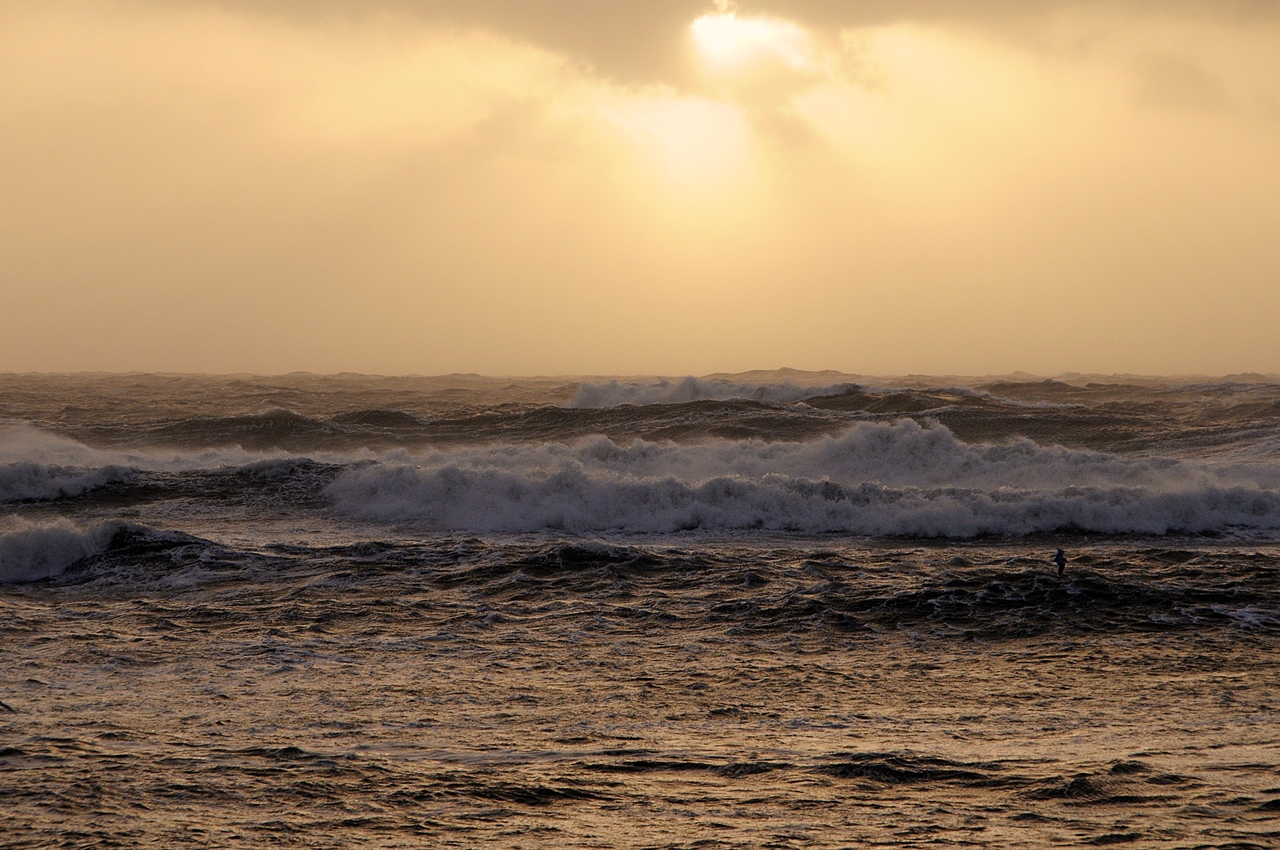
1061, 560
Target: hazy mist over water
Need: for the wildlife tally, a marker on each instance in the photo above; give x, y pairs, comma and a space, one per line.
763, 609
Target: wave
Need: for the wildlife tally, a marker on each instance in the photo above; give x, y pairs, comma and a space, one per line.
271, 428
34, 481
30, 551
25, 444
885, 398
898, 479
689, 389
38, 465
874, 478
1233, 424
21, 443
113, 552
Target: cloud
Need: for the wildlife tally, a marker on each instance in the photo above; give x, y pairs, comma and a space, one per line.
1173, 82
640, 41
438, 187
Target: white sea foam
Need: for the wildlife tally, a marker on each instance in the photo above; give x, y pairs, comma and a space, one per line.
881, 479
30, 551
689, 389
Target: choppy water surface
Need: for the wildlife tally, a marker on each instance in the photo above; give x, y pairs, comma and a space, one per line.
796, 610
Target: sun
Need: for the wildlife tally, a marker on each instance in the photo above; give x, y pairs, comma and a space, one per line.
728, 43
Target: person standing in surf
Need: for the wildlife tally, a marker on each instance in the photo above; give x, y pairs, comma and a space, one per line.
1061, 560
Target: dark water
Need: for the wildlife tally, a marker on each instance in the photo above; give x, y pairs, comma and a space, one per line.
791, 611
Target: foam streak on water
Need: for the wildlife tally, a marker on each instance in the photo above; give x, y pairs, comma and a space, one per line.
784, 610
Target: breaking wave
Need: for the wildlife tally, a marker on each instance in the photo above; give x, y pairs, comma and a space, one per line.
31, 481
875, 479
30, 551
38, 465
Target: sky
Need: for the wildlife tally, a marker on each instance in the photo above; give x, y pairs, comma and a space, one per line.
640, 186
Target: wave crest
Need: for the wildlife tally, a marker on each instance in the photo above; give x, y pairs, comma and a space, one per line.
32, 481
30, 551
876, 479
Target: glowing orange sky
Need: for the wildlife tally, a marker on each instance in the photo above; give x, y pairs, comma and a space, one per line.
640, 187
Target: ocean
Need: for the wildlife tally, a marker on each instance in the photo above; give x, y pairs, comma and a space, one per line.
776, 609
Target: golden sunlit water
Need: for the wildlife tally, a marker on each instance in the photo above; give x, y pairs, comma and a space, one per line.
767, 610
454, 694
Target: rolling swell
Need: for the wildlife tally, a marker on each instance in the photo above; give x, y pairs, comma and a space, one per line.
1111, 417
615, 393
281, 429
865, 593
713, 587
728, 588
342, 413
